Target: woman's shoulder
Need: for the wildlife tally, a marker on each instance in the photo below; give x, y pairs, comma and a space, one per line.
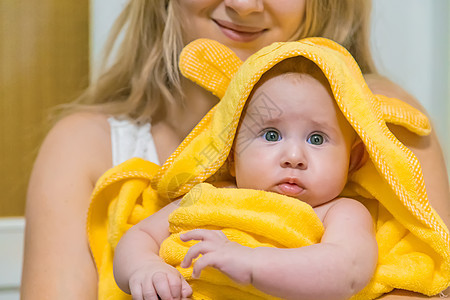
80, 121
84, 129
381, 85
81, 137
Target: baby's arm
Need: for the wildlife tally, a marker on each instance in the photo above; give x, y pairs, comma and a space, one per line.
336, 268
137, 267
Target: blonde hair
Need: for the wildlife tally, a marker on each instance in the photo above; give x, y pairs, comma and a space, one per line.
295, 65
347, 22
144, 74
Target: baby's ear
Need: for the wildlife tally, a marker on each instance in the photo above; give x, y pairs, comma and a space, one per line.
358, 156
209, 64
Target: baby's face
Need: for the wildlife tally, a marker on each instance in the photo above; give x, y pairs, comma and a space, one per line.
293, 140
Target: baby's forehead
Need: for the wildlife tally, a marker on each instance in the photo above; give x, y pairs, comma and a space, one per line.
272, 106
291, 85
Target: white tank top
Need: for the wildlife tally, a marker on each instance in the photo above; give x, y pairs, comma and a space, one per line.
130, 140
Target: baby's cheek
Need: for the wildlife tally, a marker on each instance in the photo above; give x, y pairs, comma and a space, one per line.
253, 172
335, 179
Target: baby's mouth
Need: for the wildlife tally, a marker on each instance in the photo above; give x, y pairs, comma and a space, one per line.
290, 188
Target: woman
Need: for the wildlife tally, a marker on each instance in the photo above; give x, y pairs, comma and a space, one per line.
143, 90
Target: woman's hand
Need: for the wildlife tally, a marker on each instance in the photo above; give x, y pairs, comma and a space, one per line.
218, 252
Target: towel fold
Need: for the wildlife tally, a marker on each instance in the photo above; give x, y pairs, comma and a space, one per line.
249, 217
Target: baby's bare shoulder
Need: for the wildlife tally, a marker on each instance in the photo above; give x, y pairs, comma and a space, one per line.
341, 206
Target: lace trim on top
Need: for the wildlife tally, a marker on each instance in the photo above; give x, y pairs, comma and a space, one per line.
130, 140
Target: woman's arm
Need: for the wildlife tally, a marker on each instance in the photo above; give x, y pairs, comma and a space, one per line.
427, 149
57, 260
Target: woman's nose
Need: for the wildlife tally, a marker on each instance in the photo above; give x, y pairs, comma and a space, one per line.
294, 158
245, 7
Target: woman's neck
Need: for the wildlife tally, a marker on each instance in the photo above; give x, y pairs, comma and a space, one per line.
197, 102
179, 120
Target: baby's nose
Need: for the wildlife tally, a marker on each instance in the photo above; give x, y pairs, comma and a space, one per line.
294, 158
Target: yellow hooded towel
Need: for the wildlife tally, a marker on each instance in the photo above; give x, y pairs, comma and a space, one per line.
412, 239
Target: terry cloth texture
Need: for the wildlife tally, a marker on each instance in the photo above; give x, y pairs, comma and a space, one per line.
412, 239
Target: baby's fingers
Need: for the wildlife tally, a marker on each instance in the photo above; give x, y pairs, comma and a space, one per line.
161, 286
136, 290
195, 251
186, 290
203, 262
176, 285
202, 235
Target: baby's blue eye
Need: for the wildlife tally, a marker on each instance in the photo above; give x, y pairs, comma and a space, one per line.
316, 139
272, 136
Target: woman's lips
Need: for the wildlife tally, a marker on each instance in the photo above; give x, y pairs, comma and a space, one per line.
290, 189
239, 33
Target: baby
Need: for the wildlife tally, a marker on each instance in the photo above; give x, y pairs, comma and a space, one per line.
305, 151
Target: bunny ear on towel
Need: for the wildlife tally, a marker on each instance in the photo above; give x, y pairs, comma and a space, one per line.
409, 231
210, 65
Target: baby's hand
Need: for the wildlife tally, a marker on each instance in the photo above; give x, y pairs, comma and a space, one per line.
158, 279
218, 252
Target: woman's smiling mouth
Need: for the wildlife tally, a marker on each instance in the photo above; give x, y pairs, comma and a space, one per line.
239, 33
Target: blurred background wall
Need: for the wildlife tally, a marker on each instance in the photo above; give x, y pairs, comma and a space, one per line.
44, 61
411, 45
